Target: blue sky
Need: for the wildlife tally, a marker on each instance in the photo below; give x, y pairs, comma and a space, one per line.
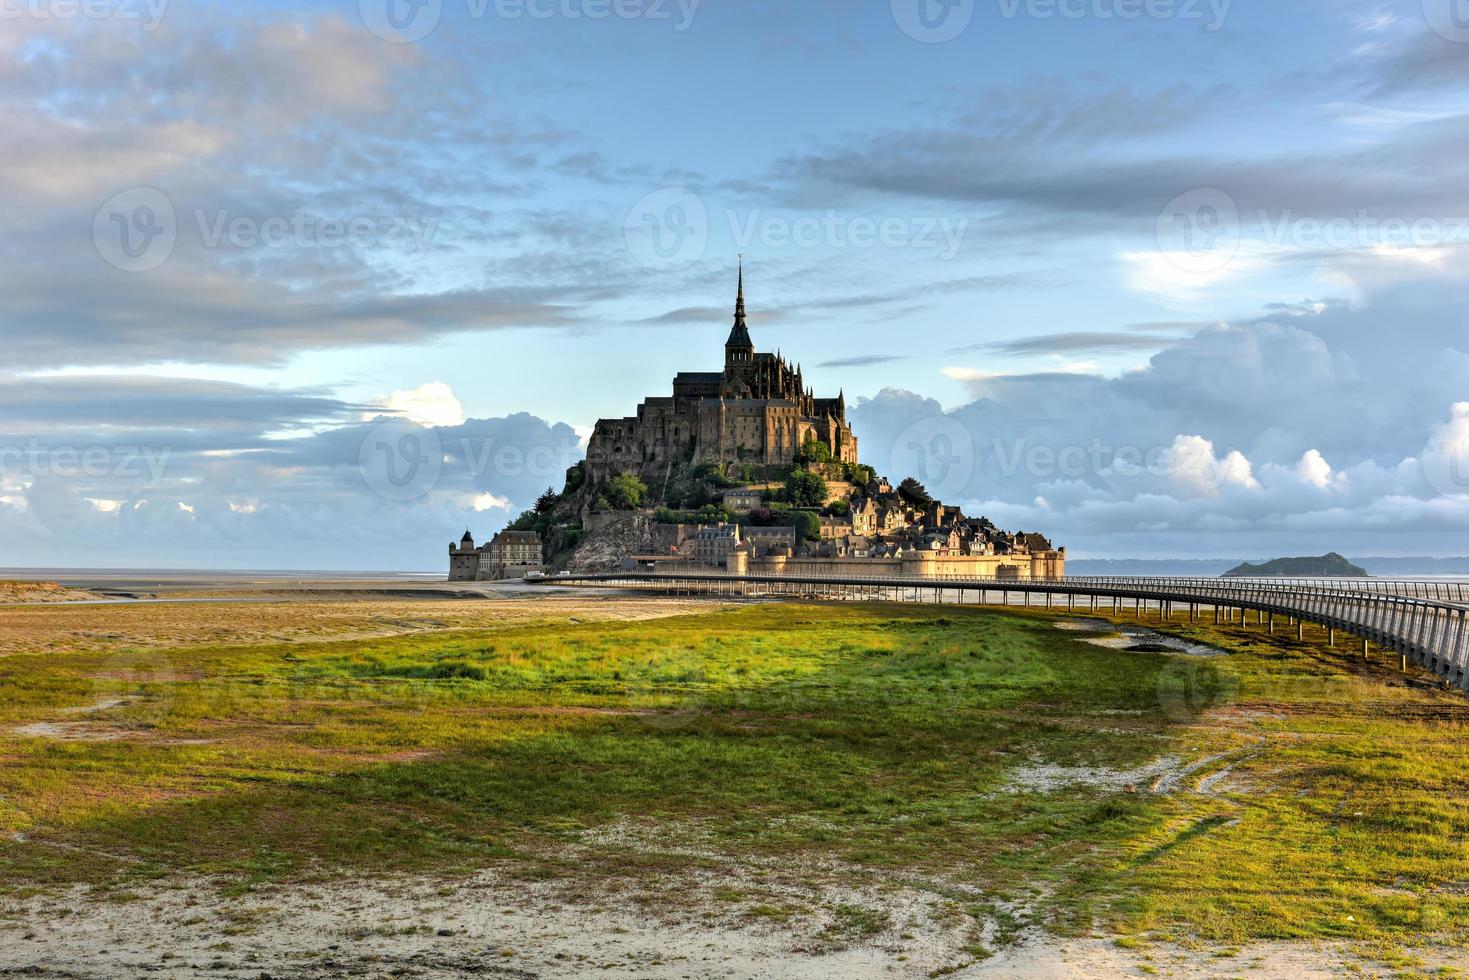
1225, 238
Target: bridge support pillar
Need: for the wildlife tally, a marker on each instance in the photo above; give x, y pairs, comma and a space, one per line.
1331, 636
1270, 622
1300, 630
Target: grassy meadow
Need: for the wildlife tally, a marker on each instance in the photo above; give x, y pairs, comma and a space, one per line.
1311, 794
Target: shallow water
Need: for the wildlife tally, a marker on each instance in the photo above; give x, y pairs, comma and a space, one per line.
1125, 636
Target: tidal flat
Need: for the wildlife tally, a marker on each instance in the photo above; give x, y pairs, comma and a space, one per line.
553, 786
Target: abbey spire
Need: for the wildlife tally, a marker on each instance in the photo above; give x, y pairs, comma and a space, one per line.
739, 336
739, 349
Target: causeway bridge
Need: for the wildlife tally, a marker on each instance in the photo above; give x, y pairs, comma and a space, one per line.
1422, 622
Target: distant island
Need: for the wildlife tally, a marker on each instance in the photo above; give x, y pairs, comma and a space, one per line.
1327, 566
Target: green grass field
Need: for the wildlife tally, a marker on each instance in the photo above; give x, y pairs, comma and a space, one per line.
1314, 795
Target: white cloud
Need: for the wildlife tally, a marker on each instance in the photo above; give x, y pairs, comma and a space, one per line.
1182, 277
433, 403
1195, 469
968, 374
1371, 23
482, 502
1315, 470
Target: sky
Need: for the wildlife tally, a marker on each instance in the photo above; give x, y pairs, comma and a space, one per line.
318, 285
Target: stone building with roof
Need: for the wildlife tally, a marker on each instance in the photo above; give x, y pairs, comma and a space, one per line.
509, 554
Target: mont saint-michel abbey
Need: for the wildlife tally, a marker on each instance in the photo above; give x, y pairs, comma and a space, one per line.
757, 410
750, 429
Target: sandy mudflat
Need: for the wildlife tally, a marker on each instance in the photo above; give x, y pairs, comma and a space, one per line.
302, 616
482, 926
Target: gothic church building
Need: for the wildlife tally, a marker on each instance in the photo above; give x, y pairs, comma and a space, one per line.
757, 410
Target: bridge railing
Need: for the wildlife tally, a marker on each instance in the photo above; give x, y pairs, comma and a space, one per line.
1438, 590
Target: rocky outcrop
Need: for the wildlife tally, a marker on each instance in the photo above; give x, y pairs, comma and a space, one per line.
610, 538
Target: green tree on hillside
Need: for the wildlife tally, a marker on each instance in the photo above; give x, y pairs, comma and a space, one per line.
914, 492
807, 524
815, 451
712, 514
625, 492
805, 489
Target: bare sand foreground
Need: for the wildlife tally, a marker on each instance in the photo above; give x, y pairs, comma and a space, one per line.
482, 926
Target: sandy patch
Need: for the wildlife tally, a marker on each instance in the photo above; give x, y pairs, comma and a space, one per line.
75, 731
97, 731
38, 592
1041, 778
489, 926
